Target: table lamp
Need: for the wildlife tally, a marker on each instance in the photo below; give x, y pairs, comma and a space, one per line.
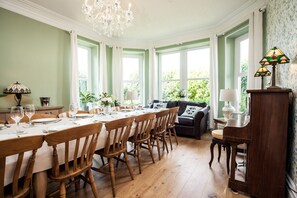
132, 95
273, 57
18, 89
262, 71
228, 95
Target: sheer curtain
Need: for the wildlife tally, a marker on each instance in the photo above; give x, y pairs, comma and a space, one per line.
117, 74
213, 79
255, 47
153, 75
103, 69
74, 87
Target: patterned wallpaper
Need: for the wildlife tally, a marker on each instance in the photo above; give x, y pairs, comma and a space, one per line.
281, 21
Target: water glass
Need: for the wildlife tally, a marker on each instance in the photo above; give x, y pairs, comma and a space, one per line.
30, 111
17, 113
73, 108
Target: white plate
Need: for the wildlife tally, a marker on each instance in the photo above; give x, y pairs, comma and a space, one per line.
84, 115
44, 120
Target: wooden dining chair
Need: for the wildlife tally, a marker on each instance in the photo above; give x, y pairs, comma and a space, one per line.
142, 135
159, 132
171, 124
35, 116
20, 186
77, 157
115, 145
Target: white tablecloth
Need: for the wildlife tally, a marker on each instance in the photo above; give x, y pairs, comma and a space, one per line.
43, 160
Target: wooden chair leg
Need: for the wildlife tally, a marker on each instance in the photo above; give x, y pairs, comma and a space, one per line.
158, 147
174, 132
170, 141
165, 143
92, 182
102, 160
211, 153
62, 190
219, 151
128, 165
112, 176
138, 158
150, 150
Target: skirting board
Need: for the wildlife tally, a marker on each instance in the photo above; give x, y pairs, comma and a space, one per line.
291, 187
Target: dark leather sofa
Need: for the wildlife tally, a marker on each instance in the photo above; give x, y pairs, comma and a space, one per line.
188, 126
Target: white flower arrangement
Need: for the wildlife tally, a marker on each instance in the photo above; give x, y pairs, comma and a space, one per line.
105, 99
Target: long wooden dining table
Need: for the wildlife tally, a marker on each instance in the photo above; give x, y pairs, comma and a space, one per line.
43, 160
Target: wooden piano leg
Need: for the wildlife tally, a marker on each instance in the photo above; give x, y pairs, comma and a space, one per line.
233, 161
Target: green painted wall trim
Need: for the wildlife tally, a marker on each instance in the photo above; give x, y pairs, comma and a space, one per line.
37, 55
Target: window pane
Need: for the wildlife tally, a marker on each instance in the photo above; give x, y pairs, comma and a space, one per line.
244, 55
83, 62
131, 69
170, 66
243, 94
170, 90
198, 63
198, 90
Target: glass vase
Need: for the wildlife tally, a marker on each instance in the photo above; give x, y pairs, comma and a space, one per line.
107, 109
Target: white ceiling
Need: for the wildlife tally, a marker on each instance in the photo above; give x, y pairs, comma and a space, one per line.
159, 19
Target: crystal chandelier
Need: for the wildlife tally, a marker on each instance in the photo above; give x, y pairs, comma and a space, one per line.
107, 16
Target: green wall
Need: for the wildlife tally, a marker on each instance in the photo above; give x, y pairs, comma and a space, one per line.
36, 55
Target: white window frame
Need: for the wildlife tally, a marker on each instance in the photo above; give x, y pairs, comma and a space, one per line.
183, 78
140, 58
237, 74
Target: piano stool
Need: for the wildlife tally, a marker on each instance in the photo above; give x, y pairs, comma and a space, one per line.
217, 138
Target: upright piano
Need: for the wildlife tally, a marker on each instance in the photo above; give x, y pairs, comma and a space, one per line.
265, 133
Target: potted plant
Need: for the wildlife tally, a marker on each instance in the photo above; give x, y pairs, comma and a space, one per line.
106, 101
182, 93
86, 98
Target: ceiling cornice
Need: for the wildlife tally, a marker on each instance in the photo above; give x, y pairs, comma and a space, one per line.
34, 11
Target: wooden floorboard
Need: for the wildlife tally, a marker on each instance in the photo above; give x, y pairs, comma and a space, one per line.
182, 173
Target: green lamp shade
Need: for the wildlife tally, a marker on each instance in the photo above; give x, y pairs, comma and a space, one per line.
262, 71
274, 56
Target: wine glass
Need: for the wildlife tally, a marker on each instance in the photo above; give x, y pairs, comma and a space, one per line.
73, 108
30, 111
17, 113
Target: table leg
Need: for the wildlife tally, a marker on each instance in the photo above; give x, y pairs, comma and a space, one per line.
40, 184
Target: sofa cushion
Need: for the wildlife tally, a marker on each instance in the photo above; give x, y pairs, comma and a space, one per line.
185, 120
183, 105
191, 111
